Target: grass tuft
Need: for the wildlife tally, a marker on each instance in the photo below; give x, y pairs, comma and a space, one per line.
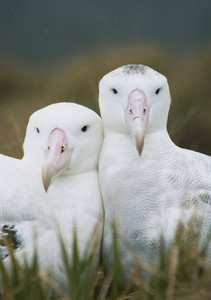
182, 272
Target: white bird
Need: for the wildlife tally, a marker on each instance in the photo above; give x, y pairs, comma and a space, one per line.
61, 151
147, 182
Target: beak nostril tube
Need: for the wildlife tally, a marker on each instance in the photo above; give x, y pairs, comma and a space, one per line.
62, 149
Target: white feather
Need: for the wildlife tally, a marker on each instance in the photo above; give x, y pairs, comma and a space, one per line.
73, 199
147, 194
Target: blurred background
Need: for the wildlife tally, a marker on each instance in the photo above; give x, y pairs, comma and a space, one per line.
52, 51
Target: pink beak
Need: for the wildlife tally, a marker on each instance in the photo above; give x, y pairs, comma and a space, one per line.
57, 157
136, 117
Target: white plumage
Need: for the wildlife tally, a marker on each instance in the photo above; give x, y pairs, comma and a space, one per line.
61, 150
148, 183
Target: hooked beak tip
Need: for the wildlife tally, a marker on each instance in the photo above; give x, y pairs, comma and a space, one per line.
139, 142
46, 177
46, 187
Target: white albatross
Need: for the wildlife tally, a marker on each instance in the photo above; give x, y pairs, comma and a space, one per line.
147, 182
61, 151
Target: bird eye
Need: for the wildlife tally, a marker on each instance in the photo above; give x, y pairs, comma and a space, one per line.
84, 128
157, 91
114, 91
37, 129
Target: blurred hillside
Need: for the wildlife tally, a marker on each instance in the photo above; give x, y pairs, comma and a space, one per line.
24, 90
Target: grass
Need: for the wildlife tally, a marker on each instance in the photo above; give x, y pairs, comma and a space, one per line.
182, 273
24, 89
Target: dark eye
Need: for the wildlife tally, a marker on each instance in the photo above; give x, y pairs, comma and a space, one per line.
37, 129
84, 128
157, 91
114, 91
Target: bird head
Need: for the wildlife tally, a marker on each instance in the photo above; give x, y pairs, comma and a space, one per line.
65, 139
135, 100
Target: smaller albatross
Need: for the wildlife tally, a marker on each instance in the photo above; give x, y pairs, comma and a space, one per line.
148, 183
53, 187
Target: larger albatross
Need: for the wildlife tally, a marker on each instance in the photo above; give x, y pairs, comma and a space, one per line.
147, 182
61, 151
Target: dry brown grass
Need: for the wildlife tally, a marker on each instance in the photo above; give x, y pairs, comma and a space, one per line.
24, 90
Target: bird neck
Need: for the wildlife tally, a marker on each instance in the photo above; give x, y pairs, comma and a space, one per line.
155, 143
158, 141
33, 163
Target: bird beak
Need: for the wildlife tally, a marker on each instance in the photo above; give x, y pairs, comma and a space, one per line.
136, 117
57, 157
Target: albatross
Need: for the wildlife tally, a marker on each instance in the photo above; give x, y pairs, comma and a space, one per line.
54, 189
148, 183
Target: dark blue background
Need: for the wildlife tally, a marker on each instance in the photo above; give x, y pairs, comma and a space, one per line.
48, 30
